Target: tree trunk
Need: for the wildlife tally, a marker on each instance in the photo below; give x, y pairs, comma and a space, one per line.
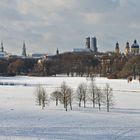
80, 103
56, 102
70, 105
93, 104
99, 106
107, 106
84, 103
134, 72
93, 101
43, 104
66, 106
64, 100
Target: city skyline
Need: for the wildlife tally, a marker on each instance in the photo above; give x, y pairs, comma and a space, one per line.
48, 25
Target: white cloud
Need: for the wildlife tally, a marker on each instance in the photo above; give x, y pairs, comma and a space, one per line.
64, 24
92, 18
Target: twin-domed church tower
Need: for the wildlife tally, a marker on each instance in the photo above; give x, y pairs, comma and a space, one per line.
92, 45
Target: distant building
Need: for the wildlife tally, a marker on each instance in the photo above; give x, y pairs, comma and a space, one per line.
24, 50
135, 48
2, 48
15, 56
37, 55
81, 50
57, 52
117, 49
90, 46
3, 54
94, 45
127, 49
88, 42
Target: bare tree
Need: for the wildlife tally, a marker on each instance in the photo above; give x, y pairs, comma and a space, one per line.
56, 96
66, 95
44, 98
109, 99
70, 96
38, 95
84, 90
81, 94
99, 97
41, 96
63, 95
92, 91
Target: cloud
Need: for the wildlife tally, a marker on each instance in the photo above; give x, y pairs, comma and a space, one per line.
92, 18
64, 24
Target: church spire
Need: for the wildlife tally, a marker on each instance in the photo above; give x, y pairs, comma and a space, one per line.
2, 48
24, 50
57, 52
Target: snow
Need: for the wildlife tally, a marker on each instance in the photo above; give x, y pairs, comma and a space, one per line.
22, 119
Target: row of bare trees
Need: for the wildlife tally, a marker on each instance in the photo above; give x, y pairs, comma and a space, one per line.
95, 95
82, 95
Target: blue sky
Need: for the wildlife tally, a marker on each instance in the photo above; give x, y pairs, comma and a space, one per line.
46, 25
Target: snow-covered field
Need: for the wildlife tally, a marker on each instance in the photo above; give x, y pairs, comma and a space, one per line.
22, 119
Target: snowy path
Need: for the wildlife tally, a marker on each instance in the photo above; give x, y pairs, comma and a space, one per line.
75, 133
72, 125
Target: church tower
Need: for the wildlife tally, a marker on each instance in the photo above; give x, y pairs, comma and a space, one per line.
24, 50
117, 49
94, 44
135, 48
57, 52
88, 42
2, 48
127, 49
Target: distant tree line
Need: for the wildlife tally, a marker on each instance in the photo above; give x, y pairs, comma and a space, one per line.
14, 66
74, 64
86, 64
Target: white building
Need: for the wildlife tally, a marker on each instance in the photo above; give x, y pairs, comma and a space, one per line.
3, 54
81, 50
37, 55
